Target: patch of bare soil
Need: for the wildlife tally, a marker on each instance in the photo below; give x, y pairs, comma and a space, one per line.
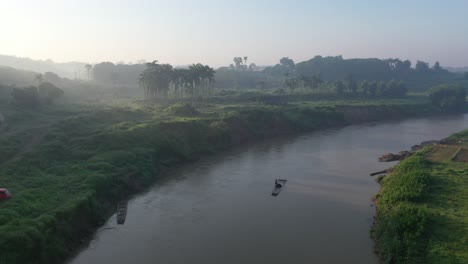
443, 152
461, 156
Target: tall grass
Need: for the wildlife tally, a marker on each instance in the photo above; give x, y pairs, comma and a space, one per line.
402, 223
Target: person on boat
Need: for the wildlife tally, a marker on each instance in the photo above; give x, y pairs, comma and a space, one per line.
278, 184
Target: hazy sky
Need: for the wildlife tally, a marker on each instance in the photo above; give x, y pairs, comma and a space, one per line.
214, 31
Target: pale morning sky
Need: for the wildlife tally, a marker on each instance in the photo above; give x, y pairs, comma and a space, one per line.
214, 31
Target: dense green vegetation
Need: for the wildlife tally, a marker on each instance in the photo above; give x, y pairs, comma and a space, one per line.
243, 73
448, 97
320, 71
67, 172
421, 215
31, 97
402, 226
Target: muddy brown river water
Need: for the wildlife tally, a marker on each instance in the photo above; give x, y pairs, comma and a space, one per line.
220, 209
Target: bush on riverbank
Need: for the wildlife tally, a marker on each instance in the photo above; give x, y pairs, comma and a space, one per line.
402, 222
448, 97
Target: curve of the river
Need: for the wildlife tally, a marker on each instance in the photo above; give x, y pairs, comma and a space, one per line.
220, 209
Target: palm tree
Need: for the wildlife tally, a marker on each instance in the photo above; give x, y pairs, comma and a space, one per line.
187, 82
177, 81
210, 72
238, 63
147, 80
156, 80
196, 73
88, 69
164, 75
144, 82
39, 78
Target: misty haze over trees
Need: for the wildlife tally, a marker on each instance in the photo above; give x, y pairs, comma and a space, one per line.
233, 132
383, 78
66, 70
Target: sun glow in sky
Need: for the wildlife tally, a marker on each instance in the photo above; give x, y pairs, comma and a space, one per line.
214, 31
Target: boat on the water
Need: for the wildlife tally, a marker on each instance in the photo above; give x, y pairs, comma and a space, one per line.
279, 184
122, 212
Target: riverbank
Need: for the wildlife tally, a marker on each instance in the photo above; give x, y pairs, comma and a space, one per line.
78, 169
422, 206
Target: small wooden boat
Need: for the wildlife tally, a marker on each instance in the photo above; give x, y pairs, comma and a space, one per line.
279, 184
121, 212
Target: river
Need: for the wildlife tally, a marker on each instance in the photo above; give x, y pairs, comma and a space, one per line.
220, 209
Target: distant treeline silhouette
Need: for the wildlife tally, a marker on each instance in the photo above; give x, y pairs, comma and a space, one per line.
317, 72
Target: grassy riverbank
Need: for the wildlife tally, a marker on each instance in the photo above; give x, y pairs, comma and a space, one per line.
67, 174
422, 214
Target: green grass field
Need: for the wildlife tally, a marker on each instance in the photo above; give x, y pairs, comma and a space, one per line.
423, 207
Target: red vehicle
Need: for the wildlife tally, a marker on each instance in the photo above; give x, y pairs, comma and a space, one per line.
4, 194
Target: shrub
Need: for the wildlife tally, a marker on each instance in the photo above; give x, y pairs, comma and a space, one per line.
448, 97
407, 183
402, 223
182, 109
49, 92
400, 233
409, 186
26, 97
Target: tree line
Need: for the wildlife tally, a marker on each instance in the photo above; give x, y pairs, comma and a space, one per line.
243, 74
392, 88
161, 80
418, 77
